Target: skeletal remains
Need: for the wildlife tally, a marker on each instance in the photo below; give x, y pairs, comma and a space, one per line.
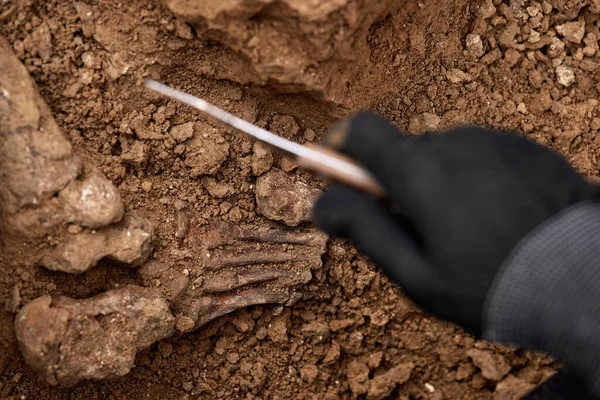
50, 201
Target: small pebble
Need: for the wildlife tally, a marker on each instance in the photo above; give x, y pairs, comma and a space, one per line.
565, 75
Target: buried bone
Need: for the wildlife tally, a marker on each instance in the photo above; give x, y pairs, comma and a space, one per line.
128, 242
67, 340
49, 200
237, 267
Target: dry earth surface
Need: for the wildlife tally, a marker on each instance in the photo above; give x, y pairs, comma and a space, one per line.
149, 252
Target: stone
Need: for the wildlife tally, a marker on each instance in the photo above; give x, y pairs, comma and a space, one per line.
512, 388
547, 7
493, 366
485, 10
280, 198
136, 155
91, 60
591, 45
556, 47
474, 45
565, 75
455, 75
262, 158
383, 385
572, 31
426, 122
534, 37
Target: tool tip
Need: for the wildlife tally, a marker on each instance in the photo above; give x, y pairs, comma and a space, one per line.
152, 84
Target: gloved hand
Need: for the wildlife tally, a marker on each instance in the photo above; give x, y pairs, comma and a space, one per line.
466, 198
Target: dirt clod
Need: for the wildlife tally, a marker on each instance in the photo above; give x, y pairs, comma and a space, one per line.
358, 377
206, 150
511, 388
382, 385
262, 159
309, 373
492, 366
572, 31
280, 198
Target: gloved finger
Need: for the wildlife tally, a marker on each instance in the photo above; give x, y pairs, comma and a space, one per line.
348, 213
371, 140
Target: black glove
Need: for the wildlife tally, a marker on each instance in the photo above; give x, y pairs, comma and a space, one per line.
466, 198
561, 386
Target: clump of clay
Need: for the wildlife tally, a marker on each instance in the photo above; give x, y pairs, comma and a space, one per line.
206, 149
381, 386
67, 340
262, 159
279, 198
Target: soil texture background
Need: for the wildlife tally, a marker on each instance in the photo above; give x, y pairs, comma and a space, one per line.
294, 67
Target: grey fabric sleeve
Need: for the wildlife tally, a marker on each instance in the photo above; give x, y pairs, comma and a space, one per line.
546, 296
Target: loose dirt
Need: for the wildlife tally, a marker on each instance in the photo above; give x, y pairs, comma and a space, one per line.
338, 328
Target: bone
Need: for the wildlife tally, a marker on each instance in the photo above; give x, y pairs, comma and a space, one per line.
205, 309
237, 267
48, 199
249, 254
90, 201
128, 242
233, 280
37, 160
67, 341
216, 235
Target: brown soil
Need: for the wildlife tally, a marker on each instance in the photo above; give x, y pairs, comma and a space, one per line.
294, 66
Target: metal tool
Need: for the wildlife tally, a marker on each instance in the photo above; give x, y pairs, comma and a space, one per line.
321, 160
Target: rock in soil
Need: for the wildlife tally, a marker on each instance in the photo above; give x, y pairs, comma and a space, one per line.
382, 385
280, 198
